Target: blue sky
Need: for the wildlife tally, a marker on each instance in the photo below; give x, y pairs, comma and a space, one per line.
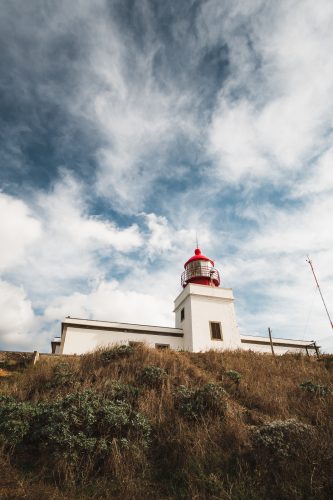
128, 126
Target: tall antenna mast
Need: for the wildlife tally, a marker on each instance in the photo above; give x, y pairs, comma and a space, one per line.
319, 290
196, 239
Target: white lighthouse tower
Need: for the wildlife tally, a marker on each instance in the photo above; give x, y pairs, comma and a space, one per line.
204, 311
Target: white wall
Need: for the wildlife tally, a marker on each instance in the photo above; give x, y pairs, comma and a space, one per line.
81, 340
203, 304
278, 349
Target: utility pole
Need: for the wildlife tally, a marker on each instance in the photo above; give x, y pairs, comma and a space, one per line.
319, 290
271, 341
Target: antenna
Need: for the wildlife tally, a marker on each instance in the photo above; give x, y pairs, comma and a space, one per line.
319, 290
196, 239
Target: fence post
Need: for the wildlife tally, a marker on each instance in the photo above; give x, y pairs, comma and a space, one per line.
35, 357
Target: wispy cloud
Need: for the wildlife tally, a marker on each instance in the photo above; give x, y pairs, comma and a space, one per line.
127, 127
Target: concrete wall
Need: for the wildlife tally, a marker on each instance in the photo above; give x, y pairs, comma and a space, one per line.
203, 304
280, 346
84, 336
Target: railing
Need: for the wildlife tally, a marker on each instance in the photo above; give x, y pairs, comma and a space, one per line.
201, 272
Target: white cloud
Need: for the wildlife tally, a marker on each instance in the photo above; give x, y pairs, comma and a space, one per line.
272, 279
112, 302
274, 116
17, 316
19, 229
319, 179
65, 212
61, 244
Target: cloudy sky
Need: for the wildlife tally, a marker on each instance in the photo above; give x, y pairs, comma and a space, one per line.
128, 126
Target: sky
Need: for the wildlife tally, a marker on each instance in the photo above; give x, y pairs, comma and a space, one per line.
127, 127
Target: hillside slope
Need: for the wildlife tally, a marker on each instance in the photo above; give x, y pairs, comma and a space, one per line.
142, 423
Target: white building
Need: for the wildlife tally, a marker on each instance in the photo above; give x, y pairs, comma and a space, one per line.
204, 319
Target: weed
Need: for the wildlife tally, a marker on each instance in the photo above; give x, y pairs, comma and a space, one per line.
234, 376
63, 376
318, 389
153, 376
195, 403
281, 438
122, 392
119, 351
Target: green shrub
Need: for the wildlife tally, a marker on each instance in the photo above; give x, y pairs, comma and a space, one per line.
122, 392
63, 376
119, 351
281, 438
234, 376
72, 428
153, 376
195, 403
15, 420
87, 422
318, 389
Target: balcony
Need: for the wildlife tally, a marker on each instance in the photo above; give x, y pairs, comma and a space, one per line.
206, 274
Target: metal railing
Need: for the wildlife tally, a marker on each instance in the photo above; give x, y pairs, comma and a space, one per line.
200, 272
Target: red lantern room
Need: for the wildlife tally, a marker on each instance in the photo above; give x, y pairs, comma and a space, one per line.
200, 269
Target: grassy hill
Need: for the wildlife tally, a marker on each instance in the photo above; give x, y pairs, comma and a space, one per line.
141, 423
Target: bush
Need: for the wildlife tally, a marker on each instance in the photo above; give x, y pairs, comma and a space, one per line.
119, 351
318, 389
15, 420
234, 376
195, 403
153, 376
63, 376
72, 427
87, 422
281, 438
122, 392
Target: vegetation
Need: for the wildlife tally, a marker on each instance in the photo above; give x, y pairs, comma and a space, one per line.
318, 389
144, 423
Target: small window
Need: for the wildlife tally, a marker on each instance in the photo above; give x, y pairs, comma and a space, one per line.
215, 330
162, 346
182, 314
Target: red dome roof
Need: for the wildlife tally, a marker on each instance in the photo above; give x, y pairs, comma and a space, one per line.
198, 256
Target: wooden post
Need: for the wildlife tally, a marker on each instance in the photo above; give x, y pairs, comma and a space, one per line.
271, 341
35, 357
316, 348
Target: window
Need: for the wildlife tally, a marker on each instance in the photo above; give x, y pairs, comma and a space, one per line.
215, 330
162, 346
132, 343
182, 314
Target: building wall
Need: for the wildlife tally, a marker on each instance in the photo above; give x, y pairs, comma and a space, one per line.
278, 350
186, 324
76, 340
203, 304
280, 346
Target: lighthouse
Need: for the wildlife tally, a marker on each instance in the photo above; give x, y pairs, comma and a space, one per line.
204, 315
204, 310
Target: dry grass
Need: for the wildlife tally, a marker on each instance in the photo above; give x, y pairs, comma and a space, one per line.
209, 457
